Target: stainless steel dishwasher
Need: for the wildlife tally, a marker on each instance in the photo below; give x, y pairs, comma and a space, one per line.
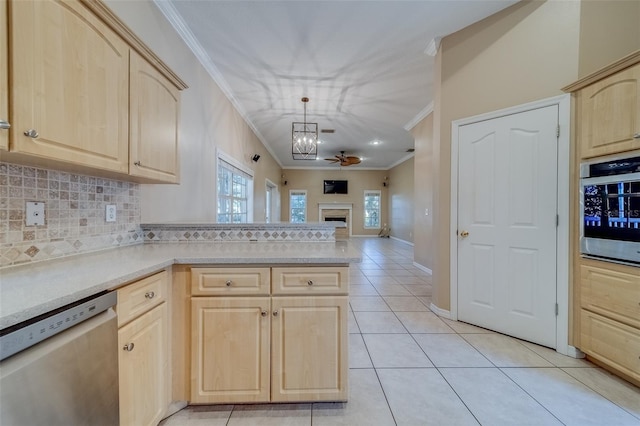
61, 368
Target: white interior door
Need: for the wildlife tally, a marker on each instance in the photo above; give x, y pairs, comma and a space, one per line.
507, 207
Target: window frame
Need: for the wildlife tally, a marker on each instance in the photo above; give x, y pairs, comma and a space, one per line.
306, 203
229, 163
368, 192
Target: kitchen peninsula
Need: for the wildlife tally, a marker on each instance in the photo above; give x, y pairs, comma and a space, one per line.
253, 295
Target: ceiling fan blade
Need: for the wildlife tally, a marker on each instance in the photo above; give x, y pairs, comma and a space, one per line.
353, 160
333, 160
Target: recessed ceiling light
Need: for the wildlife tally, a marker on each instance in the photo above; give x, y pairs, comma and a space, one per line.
320, 142
375, 142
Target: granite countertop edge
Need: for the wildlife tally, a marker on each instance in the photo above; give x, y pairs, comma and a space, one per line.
27, 291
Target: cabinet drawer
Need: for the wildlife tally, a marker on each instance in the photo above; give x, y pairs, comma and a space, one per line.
611, 342
139, 297
230, 281
310, 280
614, 294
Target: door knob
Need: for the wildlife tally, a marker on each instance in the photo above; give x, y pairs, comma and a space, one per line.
464, 234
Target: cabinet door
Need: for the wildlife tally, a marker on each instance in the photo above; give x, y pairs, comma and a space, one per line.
70, 84
615, 294
143, 366
4, 76
611, 342
155, 114
309, 349
610, 114
230, 349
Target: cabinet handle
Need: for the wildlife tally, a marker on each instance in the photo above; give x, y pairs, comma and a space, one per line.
5, 125
264, 313
137, 163
310, 282
275, 313
228, 283
636, 136
150, 295
32, 133
128, 347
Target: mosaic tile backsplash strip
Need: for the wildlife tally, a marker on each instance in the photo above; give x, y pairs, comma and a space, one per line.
170, 233
74, 214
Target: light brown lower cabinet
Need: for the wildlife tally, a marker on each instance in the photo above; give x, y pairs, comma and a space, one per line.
143, 351
248, 349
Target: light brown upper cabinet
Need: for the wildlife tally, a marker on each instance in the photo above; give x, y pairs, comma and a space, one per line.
155, 112
87, 95
4, 77
70, 86
609, 112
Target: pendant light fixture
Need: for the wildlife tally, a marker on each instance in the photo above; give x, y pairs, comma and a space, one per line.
304, 137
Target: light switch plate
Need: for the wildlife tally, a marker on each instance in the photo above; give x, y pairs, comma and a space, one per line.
35, 213
110, 213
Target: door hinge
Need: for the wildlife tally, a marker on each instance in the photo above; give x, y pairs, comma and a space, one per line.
558, 131
557, 308
557, 220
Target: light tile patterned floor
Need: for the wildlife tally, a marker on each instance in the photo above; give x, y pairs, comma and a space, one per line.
410, 367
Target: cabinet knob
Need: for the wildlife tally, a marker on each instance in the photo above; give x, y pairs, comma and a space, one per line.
5, 125
150, 295
636, 136
137, 163
228, 283
32, 133
128, 347
310, 282
264, 313
275, 313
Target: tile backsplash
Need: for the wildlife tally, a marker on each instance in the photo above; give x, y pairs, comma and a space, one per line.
74, 214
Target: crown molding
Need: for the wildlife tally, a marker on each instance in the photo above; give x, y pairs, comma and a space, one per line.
402, 160
418, 118
433, 46
177, 22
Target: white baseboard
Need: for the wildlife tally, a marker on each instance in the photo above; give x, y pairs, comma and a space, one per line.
440, 312
402, 241
423, 268
363, 236
574, 352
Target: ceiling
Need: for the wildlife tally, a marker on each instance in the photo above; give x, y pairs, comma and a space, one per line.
362, 64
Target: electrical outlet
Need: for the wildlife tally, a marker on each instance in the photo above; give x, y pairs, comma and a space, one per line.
35, 213
111, 213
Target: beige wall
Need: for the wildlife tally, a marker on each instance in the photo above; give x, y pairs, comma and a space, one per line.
527, 52
401, 200
359, 181
208, 122
609, 30
423, 193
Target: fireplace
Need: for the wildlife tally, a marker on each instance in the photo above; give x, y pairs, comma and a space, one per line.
334, 212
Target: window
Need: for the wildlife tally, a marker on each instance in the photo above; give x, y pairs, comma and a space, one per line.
297, 206
235, 193
372, 209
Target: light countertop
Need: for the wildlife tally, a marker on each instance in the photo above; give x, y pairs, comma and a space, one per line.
30, 290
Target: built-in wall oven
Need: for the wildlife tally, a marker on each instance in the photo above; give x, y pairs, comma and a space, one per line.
610, 208
62, 368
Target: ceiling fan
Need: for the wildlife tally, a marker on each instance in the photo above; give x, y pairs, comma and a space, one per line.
344, 160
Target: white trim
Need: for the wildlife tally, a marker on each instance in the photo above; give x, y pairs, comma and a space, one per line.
401, 240
268, 184
574, 352
402, 160
423, 268
177, 22
221, 155
562, 271
345, 168
337, 206
439, 311
433, 46
418, 118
